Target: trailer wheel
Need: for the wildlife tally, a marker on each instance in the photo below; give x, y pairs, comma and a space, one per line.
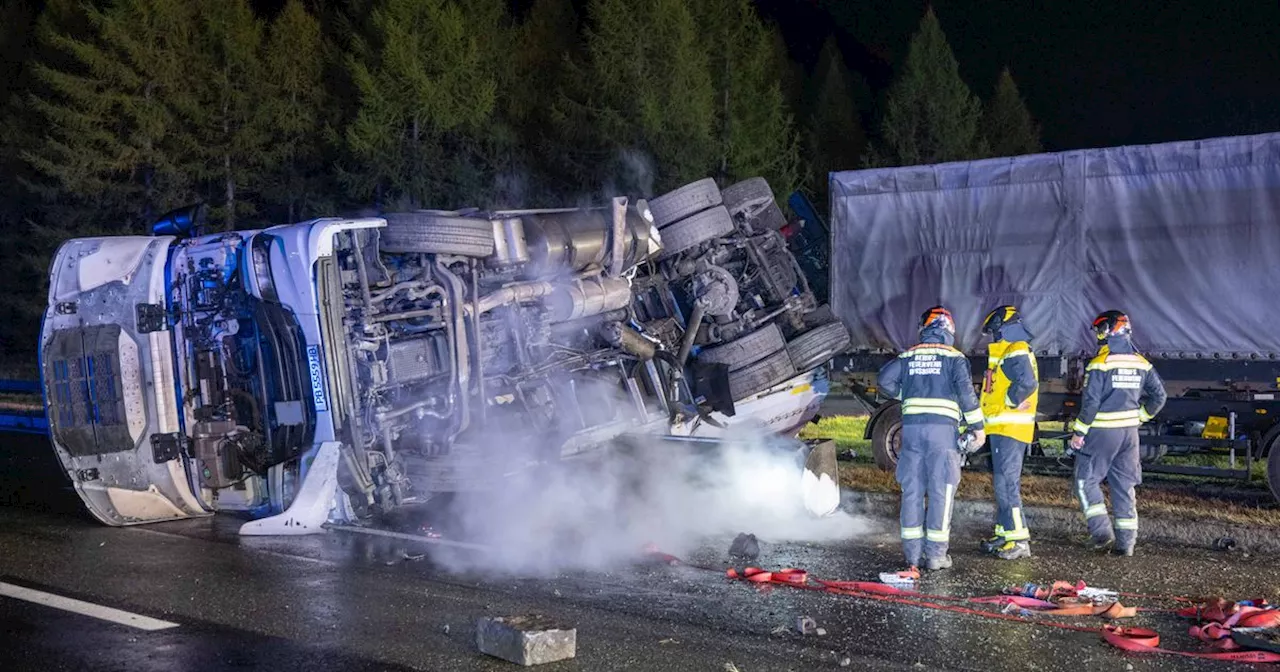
818, 345
690, 199
747, 349
695, 230
434, 233
754, 200
764, 374
886, 438
1273, 473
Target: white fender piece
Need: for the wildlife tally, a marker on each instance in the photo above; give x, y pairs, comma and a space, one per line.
310, 508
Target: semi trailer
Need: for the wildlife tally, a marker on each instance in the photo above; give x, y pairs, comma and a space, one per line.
1182, 236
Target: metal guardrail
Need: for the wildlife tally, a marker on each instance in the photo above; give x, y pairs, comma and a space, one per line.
20, 386
22, 421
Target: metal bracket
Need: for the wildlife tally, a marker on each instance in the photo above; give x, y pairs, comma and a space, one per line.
151, 317
165, 447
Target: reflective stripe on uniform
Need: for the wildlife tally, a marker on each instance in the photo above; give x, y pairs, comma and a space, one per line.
1084, 501
1019, 531
1012, 418
1144, 416
1126, 524
1116, 419
923, 405
1113, 362
942, 352
944, 535
1080, 426
973, 417
912, 532
1096, 510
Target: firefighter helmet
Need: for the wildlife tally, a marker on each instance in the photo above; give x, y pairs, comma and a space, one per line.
998, 318
940, 317
1112, 323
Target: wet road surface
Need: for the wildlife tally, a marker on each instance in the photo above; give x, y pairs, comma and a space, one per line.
342, 601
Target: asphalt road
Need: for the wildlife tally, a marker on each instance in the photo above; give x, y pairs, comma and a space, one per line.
342, 601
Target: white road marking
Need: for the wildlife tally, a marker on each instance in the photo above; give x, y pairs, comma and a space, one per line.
84, 608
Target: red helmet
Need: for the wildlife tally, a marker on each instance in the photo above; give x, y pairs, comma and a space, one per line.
1112, 323
940, 317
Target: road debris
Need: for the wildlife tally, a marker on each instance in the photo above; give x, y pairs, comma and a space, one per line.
526, 640
1225, 544
806, 625
846, 661
745, 547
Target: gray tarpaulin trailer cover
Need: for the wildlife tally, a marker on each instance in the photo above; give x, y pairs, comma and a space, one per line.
1185, 237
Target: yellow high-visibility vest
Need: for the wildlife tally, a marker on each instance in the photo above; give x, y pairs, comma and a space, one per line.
1001, 418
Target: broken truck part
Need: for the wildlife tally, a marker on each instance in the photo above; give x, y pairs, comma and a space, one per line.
329, 371
1179, 235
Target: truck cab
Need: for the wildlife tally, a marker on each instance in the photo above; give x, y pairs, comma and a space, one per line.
339, 368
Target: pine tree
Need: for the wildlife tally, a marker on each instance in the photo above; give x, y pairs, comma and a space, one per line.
643, 89
223, 107
1006, 122
425, 87
930, 115
835, 139
112, 153
755, 130
293, 107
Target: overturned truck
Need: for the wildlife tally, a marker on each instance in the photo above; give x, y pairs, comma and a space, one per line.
1181, 236
337, 369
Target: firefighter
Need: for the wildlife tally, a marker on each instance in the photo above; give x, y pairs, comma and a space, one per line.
1121, 391
932, 381
1010, 391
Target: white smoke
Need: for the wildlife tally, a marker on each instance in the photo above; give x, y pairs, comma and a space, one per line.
598, 513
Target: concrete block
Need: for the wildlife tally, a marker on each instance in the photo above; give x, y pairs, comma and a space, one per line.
526, 640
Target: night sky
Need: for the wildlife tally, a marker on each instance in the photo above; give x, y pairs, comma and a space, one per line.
1094, 72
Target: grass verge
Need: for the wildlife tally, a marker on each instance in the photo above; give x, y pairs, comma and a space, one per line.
1169, 499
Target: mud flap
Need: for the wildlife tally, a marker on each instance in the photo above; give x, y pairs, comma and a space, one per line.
310, 508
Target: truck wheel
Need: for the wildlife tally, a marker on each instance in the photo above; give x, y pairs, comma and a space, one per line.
747, 349
690, 199
1273, 473
696, 230
764, 374
818, 345
754, 200
886, 438
430, 233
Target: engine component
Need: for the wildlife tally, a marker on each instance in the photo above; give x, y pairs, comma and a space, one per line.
587, 297
561, 242
510, 246
716, 289
215, 453
620, 335
417, 358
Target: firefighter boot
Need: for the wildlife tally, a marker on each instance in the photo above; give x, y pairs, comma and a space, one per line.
993, 544
933, 564
1014, 550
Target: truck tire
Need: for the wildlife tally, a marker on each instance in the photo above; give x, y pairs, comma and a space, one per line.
1273, 473
695, 230
747, 349
817, 346
886, 438
431, 233
690, 199
764, 374
753, 199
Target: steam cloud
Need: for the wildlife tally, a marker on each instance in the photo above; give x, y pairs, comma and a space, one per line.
598, 514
